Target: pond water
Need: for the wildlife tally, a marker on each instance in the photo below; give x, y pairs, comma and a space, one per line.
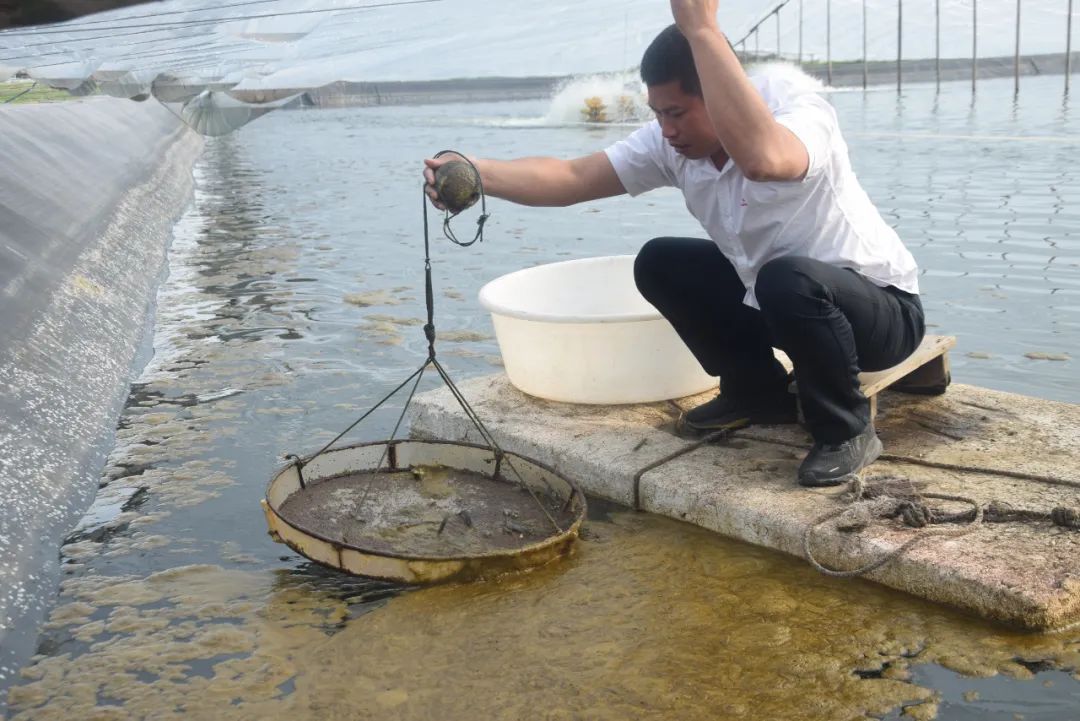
294, 303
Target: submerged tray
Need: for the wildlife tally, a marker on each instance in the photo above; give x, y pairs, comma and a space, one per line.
433, 511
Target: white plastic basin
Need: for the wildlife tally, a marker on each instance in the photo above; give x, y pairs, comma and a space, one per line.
579, 332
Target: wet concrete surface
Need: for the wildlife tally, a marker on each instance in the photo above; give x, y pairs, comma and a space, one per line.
1018, 451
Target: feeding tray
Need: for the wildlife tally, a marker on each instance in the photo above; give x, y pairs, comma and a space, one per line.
424, 511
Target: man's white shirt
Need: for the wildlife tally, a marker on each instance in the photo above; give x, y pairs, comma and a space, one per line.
827, 215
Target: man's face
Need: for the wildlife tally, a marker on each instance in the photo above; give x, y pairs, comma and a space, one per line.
684, 120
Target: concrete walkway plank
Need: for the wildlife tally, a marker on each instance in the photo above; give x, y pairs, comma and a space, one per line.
1025, 575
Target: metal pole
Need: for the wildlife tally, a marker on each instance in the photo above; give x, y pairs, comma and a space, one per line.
1068, 46
899, 42
778, 33
757, 45
974, 40
828, 39
937, 41
1016, 57
864, 68
800, 30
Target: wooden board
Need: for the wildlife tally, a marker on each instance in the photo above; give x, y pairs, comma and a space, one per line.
926, 371
932, 348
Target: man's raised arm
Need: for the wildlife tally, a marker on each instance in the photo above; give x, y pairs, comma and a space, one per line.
539, 181
763, 149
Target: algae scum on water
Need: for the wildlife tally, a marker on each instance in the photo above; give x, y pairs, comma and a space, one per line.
651, 618
176, 604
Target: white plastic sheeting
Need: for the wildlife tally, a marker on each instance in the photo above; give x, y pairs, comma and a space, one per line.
89, 194
213, 113
301, 44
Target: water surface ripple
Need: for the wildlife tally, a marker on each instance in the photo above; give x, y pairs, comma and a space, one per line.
294, 302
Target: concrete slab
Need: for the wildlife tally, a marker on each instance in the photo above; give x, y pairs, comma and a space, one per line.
1021, 574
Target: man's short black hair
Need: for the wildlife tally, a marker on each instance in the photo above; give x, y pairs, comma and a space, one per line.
668, 58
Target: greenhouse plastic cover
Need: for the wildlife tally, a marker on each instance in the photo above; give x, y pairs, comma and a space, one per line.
302, 44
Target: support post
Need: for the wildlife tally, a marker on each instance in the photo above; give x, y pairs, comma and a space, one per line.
899, 43
937, 42
865, 72
1068, 46
801, 26
828, 39
974, 41
778, 33
1016, 56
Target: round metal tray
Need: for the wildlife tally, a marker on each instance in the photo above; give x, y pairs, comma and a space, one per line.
368, 470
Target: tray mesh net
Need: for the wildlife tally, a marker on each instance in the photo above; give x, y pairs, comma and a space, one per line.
426, 511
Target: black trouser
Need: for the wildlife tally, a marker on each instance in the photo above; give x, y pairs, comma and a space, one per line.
831, 321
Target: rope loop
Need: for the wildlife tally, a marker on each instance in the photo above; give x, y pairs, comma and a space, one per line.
484, 215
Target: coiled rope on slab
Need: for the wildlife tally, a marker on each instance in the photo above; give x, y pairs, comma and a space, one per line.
894, 498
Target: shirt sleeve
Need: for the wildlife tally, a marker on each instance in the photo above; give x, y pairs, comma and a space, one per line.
639, 160
813, 121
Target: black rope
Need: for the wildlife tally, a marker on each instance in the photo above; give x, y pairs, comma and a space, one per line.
429, 294
719, 435
397, 426
298, 463
16, 97
171, 24
447, 231
489, 439
157, 28
71, 25
371, 410
200, 45
393, 434
429, 332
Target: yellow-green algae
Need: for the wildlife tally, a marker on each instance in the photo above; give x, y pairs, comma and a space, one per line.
651, 618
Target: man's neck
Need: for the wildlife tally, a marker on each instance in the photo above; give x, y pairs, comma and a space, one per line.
719, 158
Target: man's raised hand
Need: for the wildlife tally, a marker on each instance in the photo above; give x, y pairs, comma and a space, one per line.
694, 15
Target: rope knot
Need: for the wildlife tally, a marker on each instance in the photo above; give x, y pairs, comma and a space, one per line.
1066, 517
915, 514
854, 491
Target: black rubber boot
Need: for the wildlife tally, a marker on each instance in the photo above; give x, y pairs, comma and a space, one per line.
729, 412
833, 464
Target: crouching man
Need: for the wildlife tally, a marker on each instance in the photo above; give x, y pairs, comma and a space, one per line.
797, 257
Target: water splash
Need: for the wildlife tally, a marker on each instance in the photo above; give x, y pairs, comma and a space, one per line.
621, 98
606, 98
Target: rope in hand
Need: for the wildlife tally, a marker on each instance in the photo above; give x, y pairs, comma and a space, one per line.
447, 230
